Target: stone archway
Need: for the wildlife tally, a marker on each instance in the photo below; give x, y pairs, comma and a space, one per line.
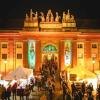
50, 57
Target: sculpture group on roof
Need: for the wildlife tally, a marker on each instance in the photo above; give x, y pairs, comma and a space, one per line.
32, 17
50, 17
67, 17
49, 22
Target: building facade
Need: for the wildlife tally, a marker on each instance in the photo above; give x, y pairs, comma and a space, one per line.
49, 39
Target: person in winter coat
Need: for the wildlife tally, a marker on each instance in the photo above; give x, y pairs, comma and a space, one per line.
14, 91
3, 95
68, 96
8, 92
90, 96
27, 92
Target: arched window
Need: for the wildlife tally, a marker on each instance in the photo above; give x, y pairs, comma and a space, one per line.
50, 48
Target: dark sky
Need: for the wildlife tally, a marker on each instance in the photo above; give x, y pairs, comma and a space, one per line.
16, 9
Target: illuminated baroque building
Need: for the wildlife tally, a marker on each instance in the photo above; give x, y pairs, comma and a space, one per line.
47, 37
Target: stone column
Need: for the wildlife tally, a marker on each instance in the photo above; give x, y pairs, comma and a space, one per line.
88, 54
74, 53
11, 56
38, 56
25, 54
61, 55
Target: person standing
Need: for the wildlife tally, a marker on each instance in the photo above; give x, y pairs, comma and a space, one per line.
68, 96
21, 93
64, 90
90, 96
14, 91
50, 93
80, 94
8, 92
74, 89
3, 95
27, 92
83, 88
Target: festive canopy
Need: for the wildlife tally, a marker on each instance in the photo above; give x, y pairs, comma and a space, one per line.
82, 73
19, 73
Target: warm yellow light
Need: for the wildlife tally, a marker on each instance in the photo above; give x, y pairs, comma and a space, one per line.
5, 61
66, 67
77, 78
93, 61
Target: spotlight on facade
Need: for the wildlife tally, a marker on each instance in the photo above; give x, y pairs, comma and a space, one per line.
5, 62
93, 62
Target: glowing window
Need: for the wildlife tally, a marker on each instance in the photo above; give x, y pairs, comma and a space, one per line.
19, 46
50, 48
80, 45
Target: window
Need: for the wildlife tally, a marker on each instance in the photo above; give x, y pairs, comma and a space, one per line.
80, 46
50, 48
19, 56
19, 46
4, 56
94, 45
4, 45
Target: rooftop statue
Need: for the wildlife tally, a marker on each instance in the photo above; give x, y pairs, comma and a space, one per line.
31, 14
49, 12
35, 18
42, 17
52, 18
27, 17
72, 18
64, 17
49, 17
68, 15
57, 17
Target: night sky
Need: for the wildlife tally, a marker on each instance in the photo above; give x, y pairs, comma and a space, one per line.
12, 11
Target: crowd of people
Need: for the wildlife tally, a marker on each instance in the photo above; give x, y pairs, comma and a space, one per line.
46, 81
81, 92
48, 73
5, 93
49, 66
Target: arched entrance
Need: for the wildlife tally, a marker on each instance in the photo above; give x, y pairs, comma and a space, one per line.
50, 57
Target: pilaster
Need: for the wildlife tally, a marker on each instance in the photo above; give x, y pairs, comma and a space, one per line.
74, 53
61, 55
11, 55
25, 54
38, 56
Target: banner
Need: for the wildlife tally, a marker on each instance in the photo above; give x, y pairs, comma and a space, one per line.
31, 53
67, 53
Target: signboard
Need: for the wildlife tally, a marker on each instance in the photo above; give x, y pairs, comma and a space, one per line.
73, 77
67, 53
